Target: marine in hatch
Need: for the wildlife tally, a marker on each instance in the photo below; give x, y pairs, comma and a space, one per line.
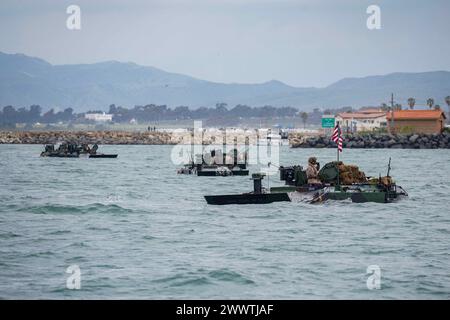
312, 172
94, 149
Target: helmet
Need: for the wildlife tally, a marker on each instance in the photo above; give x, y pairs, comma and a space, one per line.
312, 160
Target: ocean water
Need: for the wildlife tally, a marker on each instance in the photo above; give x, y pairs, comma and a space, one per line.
136, 229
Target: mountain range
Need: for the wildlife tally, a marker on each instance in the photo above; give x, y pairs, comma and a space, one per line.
26, 80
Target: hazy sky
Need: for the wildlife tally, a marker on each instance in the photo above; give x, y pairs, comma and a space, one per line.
299, 42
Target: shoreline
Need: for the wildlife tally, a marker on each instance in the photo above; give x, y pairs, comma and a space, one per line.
376, 141
88, 137
296, 140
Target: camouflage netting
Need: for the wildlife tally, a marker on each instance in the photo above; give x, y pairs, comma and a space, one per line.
382, 180
349, 174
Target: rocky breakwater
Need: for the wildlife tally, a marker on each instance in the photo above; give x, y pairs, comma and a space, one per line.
394, 141
89, 137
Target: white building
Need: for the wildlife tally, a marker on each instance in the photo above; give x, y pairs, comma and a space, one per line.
362, 120
98, 117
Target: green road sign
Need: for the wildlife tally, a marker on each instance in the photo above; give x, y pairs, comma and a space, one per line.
327, 122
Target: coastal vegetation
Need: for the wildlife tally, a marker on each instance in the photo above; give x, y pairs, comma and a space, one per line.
221, 114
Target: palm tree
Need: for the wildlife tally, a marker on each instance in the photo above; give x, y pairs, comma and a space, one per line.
437, 107
430, 102
411, 103
447, 101
304, 117
397, 106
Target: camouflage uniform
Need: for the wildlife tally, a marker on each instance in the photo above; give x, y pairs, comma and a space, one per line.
311, 172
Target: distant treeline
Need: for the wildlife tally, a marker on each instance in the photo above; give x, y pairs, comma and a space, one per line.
33, 114
154, 113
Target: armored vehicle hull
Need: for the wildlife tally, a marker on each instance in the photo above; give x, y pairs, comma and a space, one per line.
247, 198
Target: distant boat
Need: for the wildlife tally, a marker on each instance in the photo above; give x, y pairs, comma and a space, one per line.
273, 140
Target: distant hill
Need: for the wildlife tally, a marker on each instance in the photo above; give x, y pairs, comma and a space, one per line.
26, 80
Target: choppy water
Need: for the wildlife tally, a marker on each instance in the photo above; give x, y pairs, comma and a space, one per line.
138, 230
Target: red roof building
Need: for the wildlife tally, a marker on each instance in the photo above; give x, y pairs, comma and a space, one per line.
416, 121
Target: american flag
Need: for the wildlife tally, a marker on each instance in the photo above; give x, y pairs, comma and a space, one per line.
337, 137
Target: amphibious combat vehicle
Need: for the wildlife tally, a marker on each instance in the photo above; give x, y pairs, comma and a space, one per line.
259, 195
73, 150
340, 182
217, 163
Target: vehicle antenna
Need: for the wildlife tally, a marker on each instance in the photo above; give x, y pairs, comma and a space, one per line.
389, 167
271, 164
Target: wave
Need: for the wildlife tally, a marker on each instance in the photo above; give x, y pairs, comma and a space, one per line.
59, 232
229, 276
74, 209
204, 277
9, 235
180, 280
